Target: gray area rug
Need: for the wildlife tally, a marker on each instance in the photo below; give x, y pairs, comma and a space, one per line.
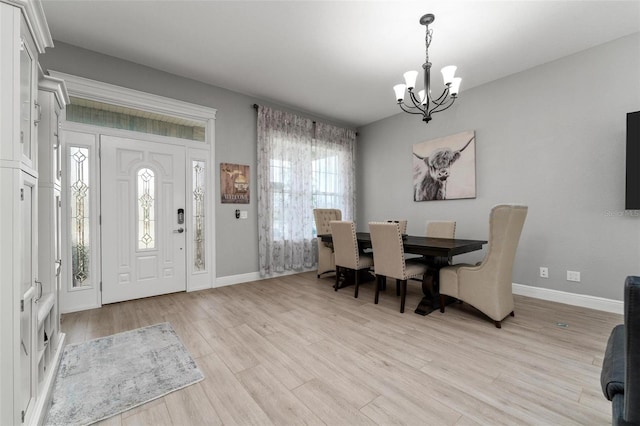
106, 376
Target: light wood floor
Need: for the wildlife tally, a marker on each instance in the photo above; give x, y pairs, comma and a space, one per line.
292, 351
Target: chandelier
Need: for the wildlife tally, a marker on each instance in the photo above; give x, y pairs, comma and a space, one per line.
423, 104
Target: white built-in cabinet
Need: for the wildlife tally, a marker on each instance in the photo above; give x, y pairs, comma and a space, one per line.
52, 98
27, 313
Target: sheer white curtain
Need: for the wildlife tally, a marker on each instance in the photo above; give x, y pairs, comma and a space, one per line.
301, 166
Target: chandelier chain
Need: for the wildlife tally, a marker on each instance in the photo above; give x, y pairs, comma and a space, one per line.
427, 41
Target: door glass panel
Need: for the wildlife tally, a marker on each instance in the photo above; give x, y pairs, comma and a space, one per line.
198, 215
79, 199
146, 210
26, 83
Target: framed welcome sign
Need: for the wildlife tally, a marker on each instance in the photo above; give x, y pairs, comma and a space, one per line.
234, 183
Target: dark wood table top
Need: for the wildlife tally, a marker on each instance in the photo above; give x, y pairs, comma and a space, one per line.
425, 246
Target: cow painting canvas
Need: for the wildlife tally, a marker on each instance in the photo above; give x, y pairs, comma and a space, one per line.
445, 168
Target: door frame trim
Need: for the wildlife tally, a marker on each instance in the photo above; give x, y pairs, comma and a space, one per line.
116, 95
129, 98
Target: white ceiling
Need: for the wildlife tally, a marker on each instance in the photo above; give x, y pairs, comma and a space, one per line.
337, 59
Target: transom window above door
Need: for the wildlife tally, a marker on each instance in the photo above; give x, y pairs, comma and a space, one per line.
103, 114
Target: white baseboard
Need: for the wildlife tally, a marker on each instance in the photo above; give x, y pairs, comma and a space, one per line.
251, 276
583, 300
198, 288
237, 279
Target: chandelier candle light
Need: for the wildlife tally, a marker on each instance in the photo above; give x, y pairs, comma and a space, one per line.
424, 104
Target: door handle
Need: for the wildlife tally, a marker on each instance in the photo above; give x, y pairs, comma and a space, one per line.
178, 231
39, 287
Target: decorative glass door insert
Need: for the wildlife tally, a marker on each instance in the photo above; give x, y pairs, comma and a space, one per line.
146, 209
198, 215
80, 215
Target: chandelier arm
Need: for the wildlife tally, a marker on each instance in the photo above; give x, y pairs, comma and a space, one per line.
410, 107
442, 97
406, 109
435, 109
444, 103
414, 99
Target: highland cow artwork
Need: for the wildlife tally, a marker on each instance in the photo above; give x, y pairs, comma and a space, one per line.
445, 168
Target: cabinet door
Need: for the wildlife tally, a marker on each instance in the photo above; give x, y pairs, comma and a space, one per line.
28, 231
27, 355
28, 105
58, 258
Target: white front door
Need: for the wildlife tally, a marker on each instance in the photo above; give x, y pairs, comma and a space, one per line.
143, 229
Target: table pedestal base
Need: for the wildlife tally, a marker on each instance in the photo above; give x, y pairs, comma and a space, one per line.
430, 288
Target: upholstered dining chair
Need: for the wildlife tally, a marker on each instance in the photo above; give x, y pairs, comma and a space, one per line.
326, 259
487, 286
441, 229
347, 256
403, 225
389, 260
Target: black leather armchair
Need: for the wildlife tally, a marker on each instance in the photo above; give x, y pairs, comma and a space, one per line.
620, 377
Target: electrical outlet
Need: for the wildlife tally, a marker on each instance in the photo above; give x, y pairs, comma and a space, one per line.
573, 276
544, 272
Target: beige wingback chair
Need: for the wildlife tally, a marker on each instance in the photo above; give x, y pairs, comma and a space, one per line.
487, 286
388, 258
345, 247
322, 217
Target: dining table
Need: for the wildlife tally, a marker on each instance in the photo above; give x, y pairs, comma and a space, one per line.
436, 252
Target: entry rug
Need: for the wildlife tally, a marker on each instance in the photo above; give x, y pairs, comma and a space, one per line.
106, 376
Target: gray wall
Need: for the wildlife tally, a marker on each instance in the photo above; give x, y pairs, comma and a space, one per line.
235, 142
552, 137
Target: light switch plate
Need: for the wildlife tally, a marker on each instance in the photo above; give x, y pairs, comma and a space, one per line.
244, 214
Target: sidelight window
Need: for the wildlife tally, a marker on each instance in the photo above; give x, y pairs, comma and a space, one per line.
80, 191
198, 215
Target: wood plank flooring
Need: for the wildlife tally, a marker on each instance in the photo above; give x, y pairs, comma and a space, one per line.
290, 350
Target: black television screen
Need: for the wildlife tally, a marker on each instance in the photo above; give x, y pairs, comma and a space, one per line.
632, 199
